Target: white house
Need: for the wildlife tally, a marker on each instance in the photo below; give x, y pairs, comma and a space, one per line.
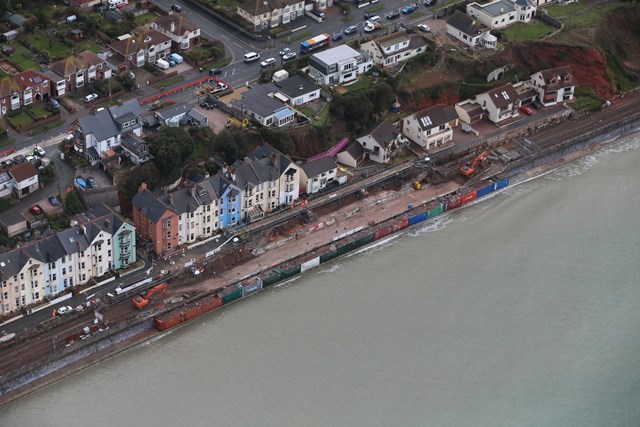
501, 103
381, 142
340, 64
317, 174
352, 155
431, 127
24, 179
464, 28
266, 14
263, 108
296, 90
502, 13
182, 32
393, 48
554, 85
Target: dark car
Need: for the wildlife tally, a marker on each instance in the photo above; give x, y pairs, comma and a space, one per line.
393, 15
92, 182
19, 159
176, 8
336, 36
204, 105
215, 71
409, 9
536, 104
429, 3
350, 30
54, 201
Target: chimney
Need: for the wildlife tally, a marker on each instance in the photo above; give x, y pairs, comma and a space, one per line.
143, 187
173, 26
84, 229
107, 222
170, 198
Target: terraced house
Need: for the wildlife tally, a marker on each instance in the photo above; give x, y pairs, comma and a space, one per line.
97, 242
22, 89
76, 71
265, 14
143, 47
182, 32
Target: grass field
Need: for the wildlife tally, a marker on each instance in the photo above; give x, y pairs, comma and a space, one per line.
143, 19
522, 32
583, 14
168, 82
55, 48
22, 57
323, 116
39, 111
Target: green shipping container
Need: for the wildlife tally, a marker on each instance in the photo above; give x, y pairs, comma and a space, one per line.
291, 272
328, 256
231, 293
274, 277
435, 211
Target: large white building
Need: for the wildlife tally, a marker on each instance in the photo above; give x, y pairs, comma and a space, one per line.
394, 48
502, 13
432, 127
338, 65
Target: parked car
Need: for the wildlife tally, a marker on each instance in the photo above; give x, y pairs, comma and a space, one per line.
19, 159
318, 13
268, 62
537, 104
526, 109
336, 36
424, 27
6, 163
284, 51
371, 26
92, 182
288, 56
31, 159
90, 97
39, 151
409, 9
351, 29
429, 3
394, 14
373, 18
176, 8
54, 201
35, 209
80, 308
65, 309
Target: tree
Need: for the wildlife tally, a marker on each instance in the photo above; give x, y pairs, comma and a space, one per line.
72, 203
127, 80
47, 174
128, 184
171, 148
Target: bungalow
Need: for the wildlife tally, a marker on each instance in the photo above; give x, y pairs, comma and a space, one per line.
262, 15
77, 71
432, 127
381, 142
501, 103
24, 178
464, 28
179, 29
554, 85
257, 104
502, 13
394, 48
296, 90
318, 174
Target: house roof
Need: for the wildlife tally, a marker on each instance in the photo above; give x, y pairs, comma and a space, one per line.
7, 87
355, 150
464, 23
384, 133
197, 117
133, 143
181, 24
391, 39
29, 78
258, 101
337, 54
151, 206
100, 124
260, 7
17, 20
503, 95
557, 78
73, 63
173, 111
500, 7
296, 86
281, 161
435, 116
317, 167
23, 171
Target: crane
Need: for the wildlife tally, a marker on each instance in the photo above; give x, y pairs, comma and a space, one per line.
467, 170
140, 300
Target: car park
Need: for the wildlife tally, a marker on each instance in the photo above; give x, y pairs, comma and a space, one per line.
35, 209
92, 182
394, 14
54, 201
424, 27
351, 29
91, 97
65, 309
268, 62
288, 56
526, 109
251, 56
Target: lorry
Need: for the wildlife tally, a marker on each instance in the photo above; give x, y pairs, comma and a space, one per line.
162, 64
178, 59
279, 76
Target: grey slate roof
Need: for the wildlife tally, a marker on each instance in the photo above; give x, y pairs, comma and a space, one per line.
503, 95
384, 133
151, 206
317, 167
258, 101
355, 150
173, 111
296, 86
464, 23
281, 161
100, 124
435, 116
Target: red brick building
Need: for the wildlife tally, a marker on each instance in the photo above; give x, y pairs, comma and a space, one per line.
155, 221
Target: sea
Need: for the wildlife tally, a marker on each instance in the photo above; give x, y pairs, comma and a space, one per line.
521, 309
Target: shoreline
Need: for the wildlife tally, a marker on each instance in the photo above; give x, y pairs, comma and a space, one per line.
150, 333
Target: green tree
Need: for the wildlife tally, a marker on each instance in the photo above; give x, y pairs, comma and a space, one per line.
47, 174
127, 81
129, 184
171, 148
72, 203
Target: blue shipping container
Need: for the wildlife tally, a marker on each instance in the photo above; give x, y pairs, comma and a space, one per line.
486, 190
248, 289
418, 218
502, 183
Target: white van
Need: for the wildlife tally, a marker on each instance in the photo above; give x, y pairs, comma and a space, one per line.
117, 3
251, 56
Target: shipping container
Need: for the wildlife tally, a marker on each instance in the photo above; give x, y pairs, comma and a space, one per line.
231, 293
401, 224
328, 256
435, 211
382, 233
202, 306
486, 190
502, 183
453, 202
291, 272
168, 320
251, 286
274, 276
418, 218
469, 197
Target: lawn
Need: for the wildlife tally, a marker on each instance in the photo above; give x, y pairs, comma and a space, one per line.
168, 82
53, 46
143, 19
581, 14
22, 57
323, 115
363, 83
46, 127
20, 120
522, 32
39, 111
89, 45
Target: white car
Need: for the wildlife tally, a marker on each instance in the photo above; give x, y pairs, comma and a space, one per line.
65, 309
424, 27
374, 18
90, 97
268, 62
39, 151
285, 51
288, 56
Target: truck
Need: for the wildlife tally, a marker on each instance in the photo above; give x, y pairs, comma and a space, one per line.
162, 64
178, 59
279, 76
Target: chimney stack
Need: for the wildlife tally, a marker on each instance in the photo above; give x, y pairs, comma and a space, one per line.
143, 187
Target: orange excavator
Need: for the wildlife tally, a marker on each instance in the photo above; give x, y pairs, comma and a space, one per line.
140, 301
467, 170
